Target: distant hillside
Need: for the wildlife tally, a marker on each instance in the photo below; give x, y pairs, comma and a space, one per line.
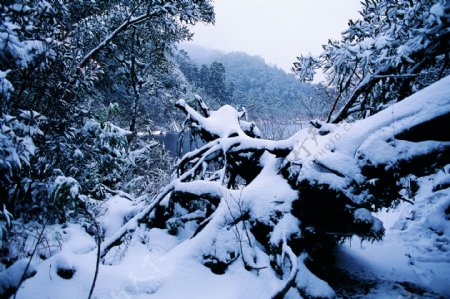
266, 91
200, 55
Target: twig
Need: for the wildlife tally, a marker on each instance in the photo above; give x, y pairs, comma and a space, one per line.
22, 278
117, 192
294, 270
99, 241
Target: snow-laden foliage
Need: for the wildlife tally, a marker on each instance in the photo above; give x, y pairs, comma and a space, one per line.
22, 42
395, 48
17, 149
17, 42
5, 86
54, 57
5, 223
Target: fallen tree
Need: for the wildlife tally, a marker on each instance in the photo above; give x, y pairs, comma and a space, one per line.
273, 209
293, 200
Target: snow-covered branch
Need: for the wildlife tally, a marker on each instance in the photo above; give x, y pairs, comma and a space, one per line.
124, 26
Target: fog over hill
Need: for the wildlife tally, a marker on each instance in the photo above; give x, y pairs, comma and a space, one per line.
266, 91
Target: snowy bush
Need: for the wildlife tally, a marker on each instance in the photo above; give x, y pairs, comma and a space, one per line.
5, 89
17, 148
64, 192
147, 168
93, 154
5, 224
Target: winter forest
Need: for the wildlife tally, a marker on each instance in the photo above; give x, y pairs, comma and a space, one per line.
135, 165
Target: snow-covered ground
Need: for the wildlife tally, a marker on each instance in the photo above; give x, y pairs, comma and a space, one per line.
413, 260
147, 266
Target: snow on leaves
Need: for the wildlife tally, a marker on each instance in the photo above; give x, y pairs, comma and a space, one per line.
392, 39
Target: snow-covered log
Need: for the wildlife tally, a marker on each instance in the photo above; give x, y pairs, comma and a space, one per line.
299, 196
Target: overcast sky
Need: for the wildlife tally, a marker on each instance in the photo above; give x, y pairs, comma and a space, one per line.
277, 30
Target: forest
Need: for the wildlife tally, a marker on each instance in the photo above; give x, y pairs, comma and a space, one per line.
267, 92
279, 187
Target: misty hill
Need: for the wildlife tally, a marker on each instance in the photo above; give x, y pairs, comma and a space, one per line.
264, 90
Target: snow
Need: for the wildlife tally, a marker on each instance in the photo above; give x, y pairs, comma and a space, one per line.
61, 183
117, 211
145, 269
363, 215
250, 127
442, 180
223, 122
5, 86
65, 263
438, 10
224, 115
193, 280
369, 139
268, 190
78, 154
151, 263
77, 241
311, 284
416, 246
288, 226
91, 126
428, 103
11, 276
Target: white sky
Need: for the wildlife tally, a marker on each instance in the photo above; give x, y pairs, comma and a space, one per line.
277, 30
